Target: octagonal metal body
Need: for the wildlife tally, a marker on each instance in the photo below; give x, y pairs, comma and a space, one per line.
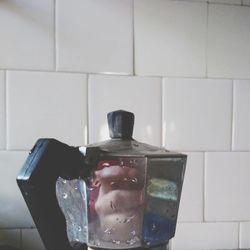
130, 199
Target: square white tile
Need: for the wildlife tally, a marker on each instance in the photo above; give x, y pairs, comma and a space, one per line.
228, 41
206, 236
191, 205
241, 117
170, 38
31, 240
197, 114
2, 111
227, 186
11, 238
43, 104
95, 36
139, 95
13, 210
27, 34
244, 235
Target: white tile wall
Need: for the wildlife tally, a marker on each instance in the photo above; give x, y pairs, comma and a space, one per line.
2, 110
10, 238
227, 186
206, 236
197, 114
241, 122
191, 206
137, 94
228, 41
244, 235
27, 39
168, 62
13, 210
95, 36
45, 105
31, 240
170, 38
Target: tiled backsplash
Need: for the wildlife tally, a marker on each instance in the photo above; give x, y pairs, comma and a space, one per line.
183, 68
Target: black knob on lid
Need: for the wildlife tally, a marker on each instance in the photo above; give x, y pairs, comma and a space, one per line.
121, 124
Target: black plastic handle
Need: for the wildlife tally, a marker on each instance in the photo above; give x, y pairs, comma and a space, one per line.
48, 160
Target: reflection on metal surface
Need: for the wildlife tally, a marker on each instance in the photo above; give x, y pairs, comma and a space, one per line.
116, 203
71, 196
163, 189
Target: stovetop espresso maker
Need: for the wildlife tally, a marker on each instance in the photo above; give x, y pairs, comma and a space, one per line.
117, 194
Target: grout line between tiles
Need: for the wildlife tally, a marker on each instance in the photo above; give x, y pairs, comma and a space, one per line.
161, 111
212, 222
15, 151
73, 72
204, 186
177, 150
190, 77
133, 31
239, 234
55, 40
122, 74
230, 4
21, 239
87, 110
206, 52
232, 116
208, 151
5, 109
217, 3
163, 124
17, 228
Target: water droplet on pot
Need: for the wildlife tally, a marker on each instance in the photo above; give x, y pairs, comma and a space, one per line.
64, 181
76, 188
127, 220
153, 227
108, 231
79, 229
112, 205
148, 243
65, 196
117, 242
135, 180
133, 233
132, 241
